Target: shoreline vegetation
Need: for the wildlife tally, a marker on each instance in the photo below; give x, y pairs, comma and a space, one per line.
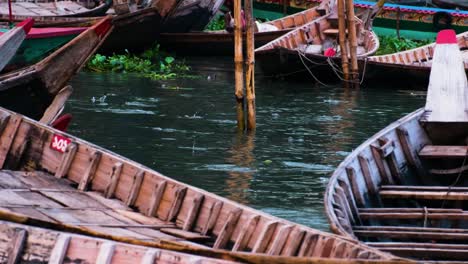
152, 63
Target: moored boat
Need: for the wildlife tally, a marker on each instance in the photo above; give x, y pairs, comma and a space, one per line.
301, 52
221, 42
60, 181
27, 244
31, 89
452, 4
54, 8
414, 64
404, 190
11, 41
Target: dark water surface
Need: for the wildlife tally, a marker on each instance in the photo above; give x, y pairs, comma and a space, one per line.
186, 129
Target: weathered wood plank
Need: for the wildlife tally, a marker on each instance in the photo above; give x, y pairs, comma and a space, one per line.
227, 229
6, 144
89, 173
67, 159
17, 246
264, 239
296, 239
424, 195
176, 203
150, 256
135, 189
114, 180
191, 236
364, 163
409, 152
193, 212
279, 240
308, 245
212, 218
60, 249
156, 197
430, 151
106, 252
379, 161
351, 173
246, 233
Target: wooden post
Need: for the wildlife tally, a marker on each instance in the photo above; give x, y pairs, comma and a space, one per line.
285, 7
342, 39
352, 41
250, 67
239, 60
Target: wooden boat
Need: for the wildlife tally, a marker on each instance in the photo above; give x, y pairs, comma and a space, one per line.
404, 190
414, 65
410, 19
221, 42
28, 244
64, 8
60, 181
452, 4
11, 41
301, 51
39, 43
30, 90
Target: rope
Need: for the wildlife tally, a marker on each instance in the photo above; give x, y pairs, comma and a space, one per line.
455, 182
425, 216
310, 72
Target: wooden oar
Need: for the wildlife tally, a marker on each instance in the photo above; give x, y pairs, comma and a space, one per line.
179, 247
56, 107
11, 41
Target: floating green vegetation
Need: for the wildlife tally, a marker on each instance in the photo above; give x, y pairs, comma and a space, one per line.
216, 24
153, 63
392, 44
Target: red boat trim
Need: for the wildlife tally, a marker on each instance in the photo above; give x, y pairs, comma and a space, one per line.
26, 24
54, 32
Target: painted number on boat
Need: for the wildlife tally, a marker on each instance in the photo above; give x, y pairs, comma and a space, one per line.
59, 143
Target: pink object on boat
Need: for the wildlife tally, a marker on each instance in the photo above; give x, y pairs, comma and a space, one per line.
447, 36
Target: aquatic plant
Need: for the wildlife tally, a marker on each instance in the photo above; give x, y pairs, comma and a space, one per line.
153, 63
216, 24
392, 44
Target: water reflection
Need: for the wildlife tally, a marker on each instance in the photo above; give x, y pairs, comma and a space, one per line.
186, 129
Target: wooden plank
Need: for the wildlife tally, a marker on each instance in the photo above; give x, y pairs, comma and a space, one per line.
246, 234
424, 195
344, 202
89, 173
18, 243
193, 212
67, 159
415, 215
227, 229
409, 210
280, 239
410, 245
409, 152
57, 105
411, 232
308, 245
135, 189
264, 239
379, 161
432, 152
212, 218
423, 188
114, 180
156, 197
338, 249
191, 236
351, 173
60, 249
290, 249
364, 164
413, 228
106, 251
4, 119
352, 203
10, 138
150, 256
176, 203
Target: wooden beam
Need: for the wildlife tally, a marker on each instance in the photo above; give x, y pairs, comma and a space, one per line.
212, 218
308, 245
296, 241
423, 188
67, 159
379, 161
156, 198
135, 189
114, 180
18, 243
7, 142
60, 249
351, 173
264, 239
227, 229
89, 173
4, 119
246, 234
432, 152
424, 195
193, 212
280, 240
150, 256
364, 163
54, 109
176, 203
409, 151
106, 251
411, 233
187, 235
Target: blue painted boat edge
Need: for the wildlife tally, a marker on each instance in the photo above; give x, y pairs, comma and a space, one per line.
416, 8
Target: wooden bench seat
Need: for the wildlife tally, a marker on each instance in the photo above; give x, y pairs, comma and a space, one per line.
413, 213
423, 192
434, 250
432, 152
411, 233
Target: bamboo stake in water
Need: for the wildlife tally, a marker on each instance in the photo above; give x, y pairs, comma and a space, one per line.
250, 69
239, 69
342, 39
352, 41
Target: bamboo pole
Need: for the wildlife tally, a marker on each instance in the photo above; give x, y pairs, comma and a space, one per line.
239, 68
352, 41
342, 39
285, 7
250, 67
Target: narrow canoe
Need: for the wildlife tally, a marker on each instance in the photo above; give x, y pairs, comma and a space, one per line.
54, 9
30, 90
11, 41
60, 181
38, 245
404, 190
414, 65
218, 43
300, 53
